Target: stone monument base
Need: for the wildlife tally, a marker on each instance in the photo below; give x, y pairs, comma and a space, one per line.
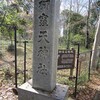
26, 92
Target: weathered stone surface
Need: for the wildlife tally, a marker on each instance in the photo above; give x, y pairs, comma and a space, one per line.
26, 92
45, 44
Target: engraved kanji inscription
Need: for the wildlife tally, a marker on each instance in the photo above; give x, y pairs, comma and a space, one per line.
42, 69
43, 20
43, 52
43, 36
44, 4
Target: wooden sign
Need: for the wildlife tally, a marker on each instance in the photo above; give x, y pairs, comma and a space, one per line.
66, 59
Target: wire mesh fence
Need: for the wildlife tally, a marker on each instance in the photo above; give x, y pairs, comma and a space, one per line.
85, 63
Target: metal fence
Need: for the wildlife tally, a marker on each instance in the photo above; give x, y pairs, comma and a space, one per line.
85, 63
83, 66
19, 63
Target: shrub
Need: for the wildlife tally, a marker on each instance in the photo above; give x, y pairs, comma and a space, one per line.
1, 55
78, 39
11, 48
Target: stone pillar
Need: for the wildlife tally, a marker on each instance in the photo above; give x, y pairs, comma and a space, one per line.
45, 45
95, 47
45, 40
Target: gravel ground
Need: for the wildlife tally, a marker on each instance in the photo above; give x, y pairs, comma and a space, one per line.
6, 92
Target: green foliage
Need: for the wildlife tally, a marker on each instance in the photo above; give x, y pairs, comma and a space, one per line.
78, 28
75, 20
11, 48
62, 41
78, 39
76, 25
14, 15
27, 5
22, 21
1, 54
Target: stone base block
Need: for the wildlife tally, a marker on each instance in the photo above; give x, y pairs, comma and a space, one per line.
26, 92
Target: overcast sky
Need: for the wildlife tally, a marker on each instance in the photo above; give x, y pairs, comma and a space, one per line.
82, 5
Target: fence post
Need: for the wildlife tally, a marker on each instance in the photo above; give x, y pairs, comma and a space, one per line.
25, 61
78, 53
89, 65
15, 38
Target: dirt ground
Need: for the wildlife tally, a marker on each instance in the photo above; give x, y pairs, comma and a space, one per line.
89, 91
86, 92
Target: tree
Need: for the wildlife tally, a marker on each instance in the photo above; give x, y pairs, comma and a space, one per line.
13, 14
92, 18
95, 12
77, 24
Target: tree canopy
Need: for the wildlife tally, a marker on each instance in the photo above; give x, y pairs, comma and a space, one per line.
14, 13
